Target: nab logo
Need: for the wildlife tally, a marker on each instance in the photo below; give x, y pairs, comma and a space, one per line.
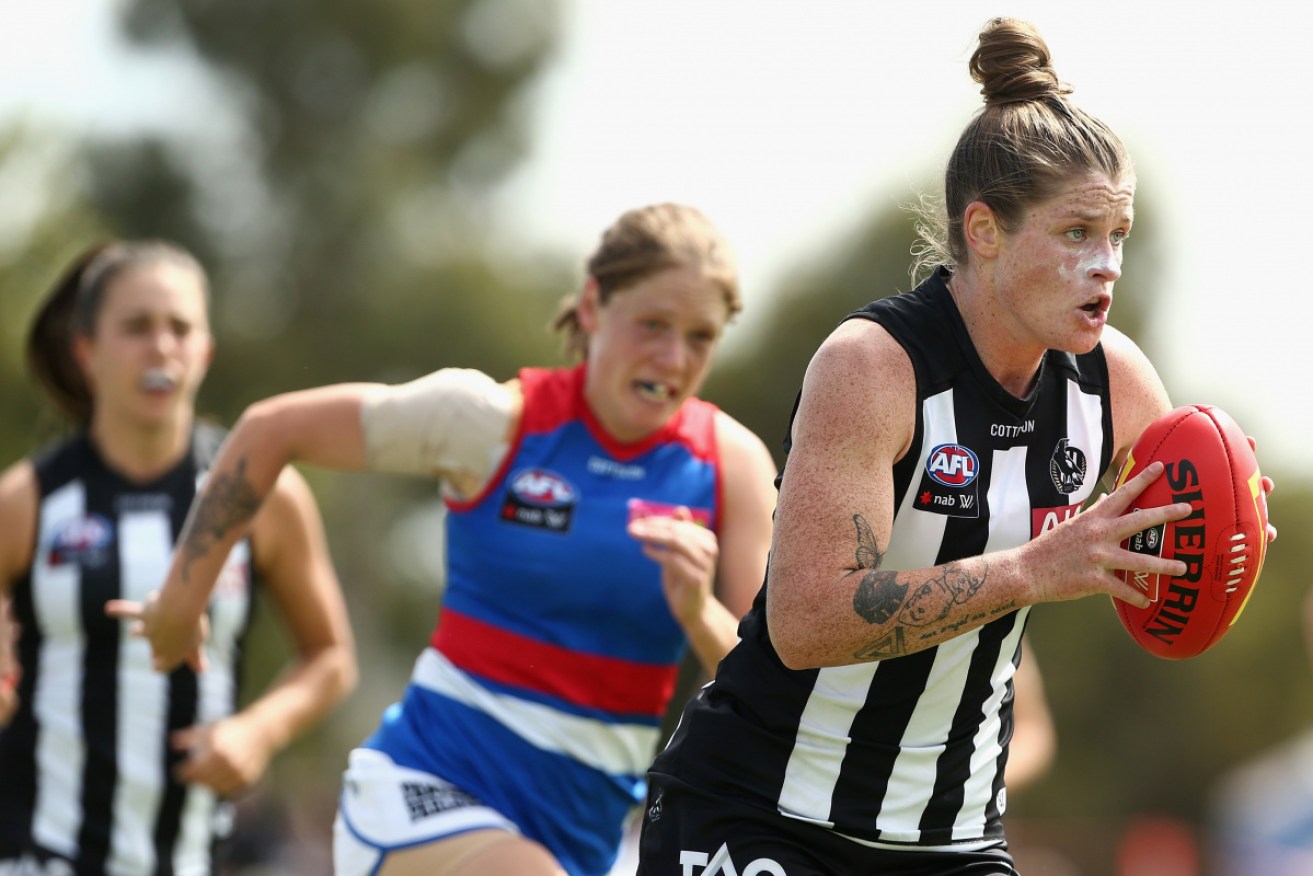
952, 465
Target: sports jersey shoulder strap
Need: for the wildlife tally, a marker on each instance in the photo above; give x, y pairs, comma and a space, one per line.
60, 462
551, 396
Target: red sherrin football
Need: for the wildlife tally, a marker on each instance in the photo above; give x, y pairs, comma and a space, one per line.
1209, 464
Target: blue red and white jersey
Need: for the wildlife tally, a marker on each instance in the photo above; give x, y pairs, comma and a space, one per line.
555, 654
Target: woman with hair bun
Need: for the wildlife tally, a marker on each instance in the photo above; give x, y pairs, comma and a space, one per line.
106, 766
602, 521
862, 723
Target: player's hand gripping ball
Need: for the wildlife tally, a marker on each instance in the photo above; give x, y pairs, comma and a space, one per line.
1209, 464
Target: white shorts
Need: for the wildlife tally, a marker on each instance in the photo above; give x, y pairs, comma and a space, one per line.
385, 808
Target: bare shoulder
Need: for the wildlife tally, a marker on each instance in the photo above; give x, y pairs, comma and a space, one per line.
18, 511
1138, 394
747, 472
860, 383
740, 447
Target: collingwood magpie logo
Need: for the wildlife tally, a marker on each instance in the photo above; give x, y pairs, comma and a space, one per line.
654, 811
1067, 467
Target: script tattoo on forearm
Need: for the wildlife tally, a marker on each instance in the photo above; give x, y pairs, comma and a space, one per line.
229, 500
883, 595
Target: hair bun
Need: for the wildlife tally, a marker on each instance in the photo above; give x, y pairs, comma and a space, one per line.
1013, 64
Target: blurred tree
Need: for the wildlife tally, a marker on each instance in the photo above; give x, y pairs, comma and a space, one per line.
48, 225
339, 190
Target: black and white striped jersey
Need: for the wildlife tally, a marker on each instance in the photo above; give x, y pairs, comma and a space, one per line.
909, 752
85, 764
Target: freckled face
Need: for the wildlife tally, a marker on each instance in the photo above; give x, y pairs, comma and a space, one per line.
650, 347
1055, 273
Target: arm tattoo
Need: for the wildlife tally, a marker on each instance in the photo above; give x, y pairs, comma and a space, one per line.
889, 645
868, 552
879, 595
229, 500
933, 599
883, 595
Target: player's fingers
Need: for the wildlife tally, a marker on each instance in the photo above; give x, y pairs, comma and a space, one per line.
184, 738
655, 531
1167, 567
123, 609
1140, 519
1121, 498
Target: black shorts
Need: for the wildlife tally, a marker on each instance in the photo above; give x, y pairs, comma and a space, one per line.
688, 833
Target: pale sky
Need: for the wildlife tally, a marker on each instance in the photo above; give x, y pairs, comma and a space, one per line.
790, 121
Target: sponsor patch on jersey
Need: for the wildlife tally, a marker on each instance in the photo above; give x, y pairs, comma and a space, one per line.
1067, 467
137, 503
82, 542
426, 799
952, 465
1044, 519
540, 498
639, 508
948, 485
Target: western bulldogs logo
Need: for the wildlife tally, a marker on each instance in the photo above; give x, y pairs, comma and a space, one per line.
540, 498
952, 465
84, 542
1067, 467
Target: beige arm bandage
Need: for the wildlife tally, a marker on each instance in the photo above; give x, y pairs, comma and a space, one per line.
451, 423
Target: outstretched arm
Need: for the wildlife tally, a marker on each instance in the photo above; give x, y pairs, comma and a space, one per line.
291, 552
318, 426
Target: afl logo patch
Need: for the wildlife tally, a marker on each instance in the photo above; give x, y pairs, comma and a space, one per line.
84, 542
952, 465
540, 498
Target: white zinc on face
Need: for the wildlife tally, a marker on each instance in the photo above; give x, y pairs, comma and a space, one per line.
1095, 263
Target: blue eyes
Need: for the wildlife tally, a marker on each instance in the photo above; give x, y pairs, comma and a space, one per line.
1077, 235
